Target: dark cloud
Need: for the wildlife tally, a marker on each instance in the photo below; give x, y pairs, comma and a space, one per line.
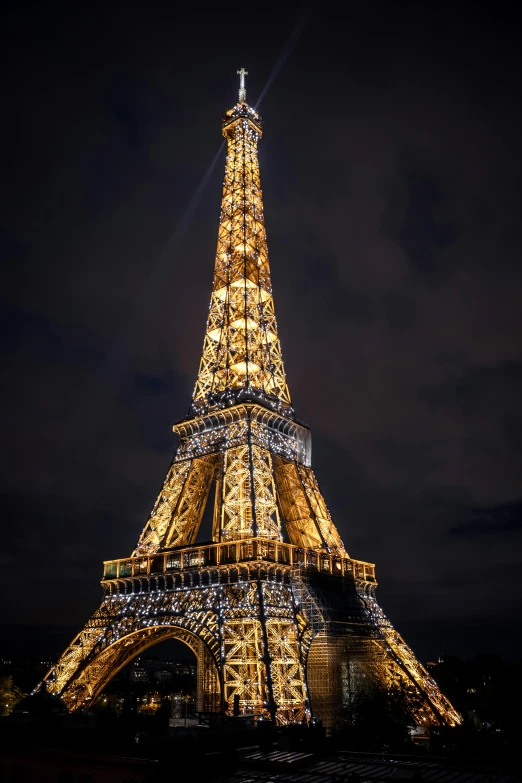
478, 385
391, 173
424, 232
33, 335
504, 518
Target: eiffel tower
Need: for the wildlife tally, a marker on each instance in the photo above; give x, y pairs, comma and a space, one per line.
283, 623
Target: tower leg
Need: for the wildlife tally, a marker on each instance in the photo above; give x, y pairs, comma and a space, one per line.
208, 695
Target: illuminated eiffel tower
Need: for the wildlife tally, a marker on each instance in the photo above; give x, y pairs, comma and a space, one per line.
283, 623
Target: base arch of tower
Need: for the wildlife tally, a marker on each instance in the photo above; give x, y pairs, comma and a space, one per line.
100, 667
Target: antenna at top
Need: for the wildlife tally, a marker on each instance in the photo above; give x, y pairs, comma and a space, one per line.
242, 89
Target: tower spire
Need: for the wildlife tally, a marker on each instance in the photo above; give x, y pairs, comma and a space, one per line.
242, 89
241, 352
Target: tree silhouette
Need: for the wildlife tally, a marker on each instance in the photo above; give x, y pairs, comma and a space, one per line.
10, 695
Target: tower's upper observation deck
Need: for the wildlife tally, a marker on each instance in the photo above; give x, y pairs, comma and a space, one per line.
242, 111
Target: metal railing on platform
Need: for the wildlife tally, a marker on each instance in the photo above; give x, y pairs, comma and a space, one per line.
237, 552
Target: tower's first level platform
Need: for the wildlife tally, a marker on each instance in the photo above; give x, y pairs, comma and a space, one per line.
242, 553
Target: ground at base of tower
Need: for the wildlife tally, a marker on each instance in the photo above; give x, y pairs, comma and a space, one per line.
82, 750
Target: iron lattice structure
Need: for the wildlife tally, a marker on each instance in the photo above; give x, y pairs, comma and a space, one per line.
276, 612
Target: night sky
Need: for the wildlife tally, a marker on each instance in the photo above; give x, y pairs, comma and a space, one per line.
390, 166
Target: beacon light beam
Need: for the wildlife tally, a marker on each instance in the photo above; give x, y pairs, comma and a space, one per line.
287, 50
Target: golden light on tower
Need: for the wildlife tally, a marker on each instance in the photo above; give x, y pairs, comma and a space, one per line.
276, 612
241, 350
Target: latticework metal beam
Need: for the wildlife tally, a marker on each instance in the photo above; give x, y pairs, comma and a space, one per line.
241, 350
